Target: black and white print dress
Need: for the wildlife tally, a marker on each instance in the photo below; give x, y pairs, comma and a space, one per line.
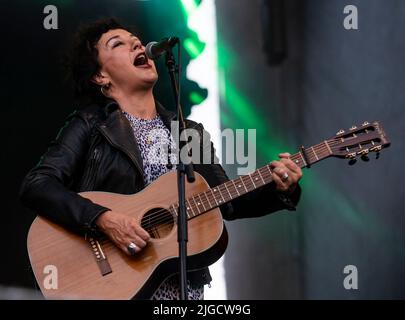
155, 142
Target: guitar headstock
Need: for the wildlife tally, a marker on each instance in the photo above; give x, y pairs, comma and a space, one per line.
359, 141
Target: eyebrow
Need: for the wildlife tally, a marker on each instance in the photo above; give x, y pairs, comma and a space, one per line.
117, 36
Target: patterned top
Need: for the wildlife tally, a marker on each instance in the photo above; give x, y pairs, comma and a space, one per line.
155, 142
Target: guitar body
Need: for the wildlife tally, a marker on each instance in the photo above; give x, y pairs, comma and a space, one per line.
92, 269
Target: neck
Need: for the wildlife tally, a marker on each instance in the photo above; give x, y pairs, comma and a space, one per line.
140, 104
223, 193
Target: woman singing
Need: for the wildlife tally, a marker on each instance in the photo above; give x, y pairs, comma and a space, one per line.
106, 146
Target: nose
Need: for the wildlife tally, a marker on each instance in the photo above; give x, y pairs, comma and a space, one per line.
136, 44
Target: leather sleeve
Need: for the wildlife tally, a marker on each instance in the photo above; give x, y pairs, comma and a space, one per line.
45, 188
258, 203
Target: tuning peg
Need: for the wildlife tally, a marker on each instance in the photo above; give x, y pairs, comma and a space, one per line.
353, 128
376, 148
366, 123
363, 152
352, 158
365, 158
352, 162
341, 131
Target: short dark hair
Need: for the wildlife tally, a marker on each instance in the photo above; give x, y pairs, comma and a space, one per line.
83, 60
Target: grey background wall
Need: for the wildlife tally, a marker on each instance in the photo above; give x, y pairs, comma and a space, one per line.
333, 78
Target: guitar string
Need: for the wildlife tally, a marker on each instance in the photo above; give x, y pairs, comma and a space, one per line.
158, 213
161, 216
152, 221
169, 220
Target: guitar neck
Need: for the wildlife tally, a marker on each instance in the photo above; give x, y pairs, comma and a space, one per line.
223, 193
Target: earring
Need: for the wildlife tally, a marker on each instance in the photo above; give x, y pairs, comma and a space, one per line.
105, 87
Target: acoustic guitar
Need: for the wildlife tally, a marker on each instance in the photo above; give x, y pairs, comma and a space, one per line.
94, 268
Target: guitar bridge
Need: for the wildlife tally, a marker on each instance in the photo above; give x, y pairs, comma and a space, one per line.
100, 257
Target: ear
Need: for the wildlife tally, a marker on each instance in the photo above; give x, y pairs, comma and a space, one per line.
100, 79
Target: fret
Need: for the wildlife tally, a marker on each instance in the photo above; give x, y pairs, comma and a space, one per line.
222, 192
231, 189
252, 181
296, 160
256, 177
215, 190
198, 208
235, 188
240, 185
230, 197
201, 202
303, 160
261, 176
216, 202
314, 153
241, 179
189, 207
268, 168
247, 183
208, 201
327, 146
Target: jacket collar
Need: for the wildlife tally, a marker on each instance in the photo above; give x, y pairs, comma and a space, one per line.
118, 131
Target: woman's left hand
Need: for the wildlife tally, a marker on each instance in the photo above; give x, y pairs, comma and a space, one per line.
286, 173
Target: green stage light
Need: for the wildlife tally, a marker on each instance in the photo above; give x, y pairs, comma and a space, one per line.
196, 98
193, 47
189, 6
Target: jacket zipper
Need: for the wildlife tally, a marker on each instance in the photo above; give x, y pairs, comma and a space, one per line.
96, 164
90, 177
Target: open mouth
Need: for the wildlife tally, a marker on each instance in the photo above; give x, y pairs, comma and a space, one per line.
141, 60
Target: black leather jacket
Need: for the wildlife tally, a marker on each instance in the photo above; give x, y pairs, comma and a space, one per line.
96, 150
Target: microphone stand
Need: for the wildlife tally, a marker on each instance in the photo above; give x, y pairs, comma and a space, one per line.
183, 170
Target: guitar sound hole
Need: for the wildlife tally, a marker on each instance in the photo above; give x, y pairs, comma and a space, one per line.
158, 222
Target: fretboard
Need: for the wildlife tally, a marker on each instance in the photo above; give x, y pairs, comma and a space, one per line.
223, 193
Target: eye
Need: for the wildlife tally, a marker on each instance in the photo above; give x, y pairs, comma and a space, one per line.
116, 44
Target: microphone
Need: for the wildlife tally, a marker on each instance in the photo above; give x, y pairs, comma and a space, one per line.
155, 49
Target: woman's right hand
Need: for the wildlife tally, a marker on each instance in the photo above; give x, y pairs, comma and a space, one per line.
123, 230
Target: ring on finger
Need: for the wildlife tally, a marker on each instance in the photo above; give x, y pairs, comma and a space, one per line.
284, 177
132, 248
